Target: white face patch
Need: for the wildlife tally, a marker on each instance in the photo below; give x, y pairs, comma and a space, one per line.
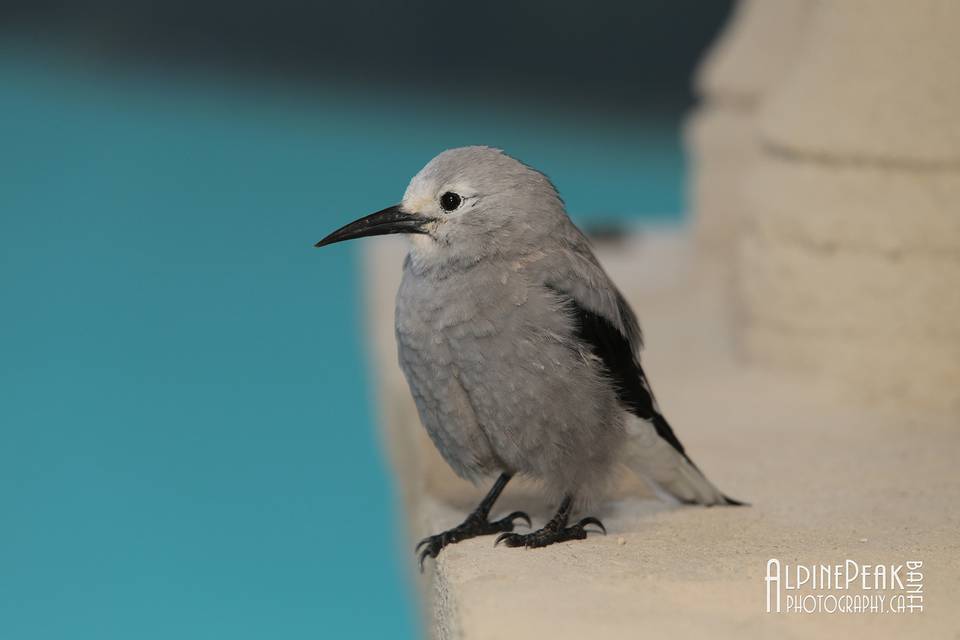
424, 250
423, 205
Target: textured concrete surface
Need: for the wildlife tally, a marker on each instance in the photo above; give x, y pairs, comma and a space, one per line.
875, 81
828, 479
849, 260
755, 50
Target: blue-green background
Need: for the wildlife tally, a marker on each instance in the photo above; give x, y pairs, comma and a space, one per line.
186, 439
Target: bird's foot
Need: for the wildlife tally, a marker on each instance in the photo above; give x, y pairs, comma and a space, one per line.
475, 525
553, 532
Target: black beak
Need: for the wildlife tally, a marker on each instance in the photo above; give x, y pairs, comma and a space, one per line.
390, 220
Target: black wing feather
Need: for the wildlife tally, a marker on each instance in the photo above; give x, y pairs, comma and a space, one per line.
622, 364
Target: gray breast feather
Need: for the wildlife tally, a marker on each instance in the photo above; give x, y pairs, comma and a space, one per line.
540, 401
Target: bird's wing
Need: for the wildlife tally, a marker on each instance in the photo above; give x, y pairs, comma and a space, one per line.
604, 323
620, 357
578, 275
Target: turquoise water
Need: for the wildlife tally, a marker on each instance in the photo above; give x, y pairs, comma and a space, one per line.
186, 438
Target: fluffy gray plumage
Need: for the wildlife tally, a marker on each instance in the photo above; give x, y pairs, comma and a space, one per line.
489, 345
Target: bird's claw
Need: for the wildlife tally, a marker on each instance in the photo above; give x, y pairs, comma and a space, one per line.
550, 534
426, 540
506, 536
591, 520
430, 551
475, 525
508, 521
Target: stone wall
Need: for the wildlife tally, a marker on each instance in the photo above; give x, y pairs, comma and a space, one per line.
751, 55
849, 250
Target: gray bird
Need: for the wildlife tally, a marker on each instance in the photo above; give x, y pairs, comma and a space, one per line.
521, 354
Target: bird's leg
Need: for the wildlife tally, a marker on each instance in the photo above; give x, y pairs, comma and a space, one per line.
476, 524
554, 531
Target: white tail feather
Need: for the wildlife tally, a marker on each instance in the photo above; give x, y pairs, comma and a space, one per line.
664, 468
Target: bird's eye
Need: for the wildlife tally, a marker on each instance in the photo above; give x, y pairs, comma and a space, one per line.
450, 201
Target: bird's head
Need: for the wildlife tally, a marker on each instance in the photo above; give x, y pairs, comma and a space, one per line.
467, 203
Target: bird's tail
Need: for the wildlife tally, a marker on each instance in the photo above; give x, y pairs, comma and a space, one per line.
665, 467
